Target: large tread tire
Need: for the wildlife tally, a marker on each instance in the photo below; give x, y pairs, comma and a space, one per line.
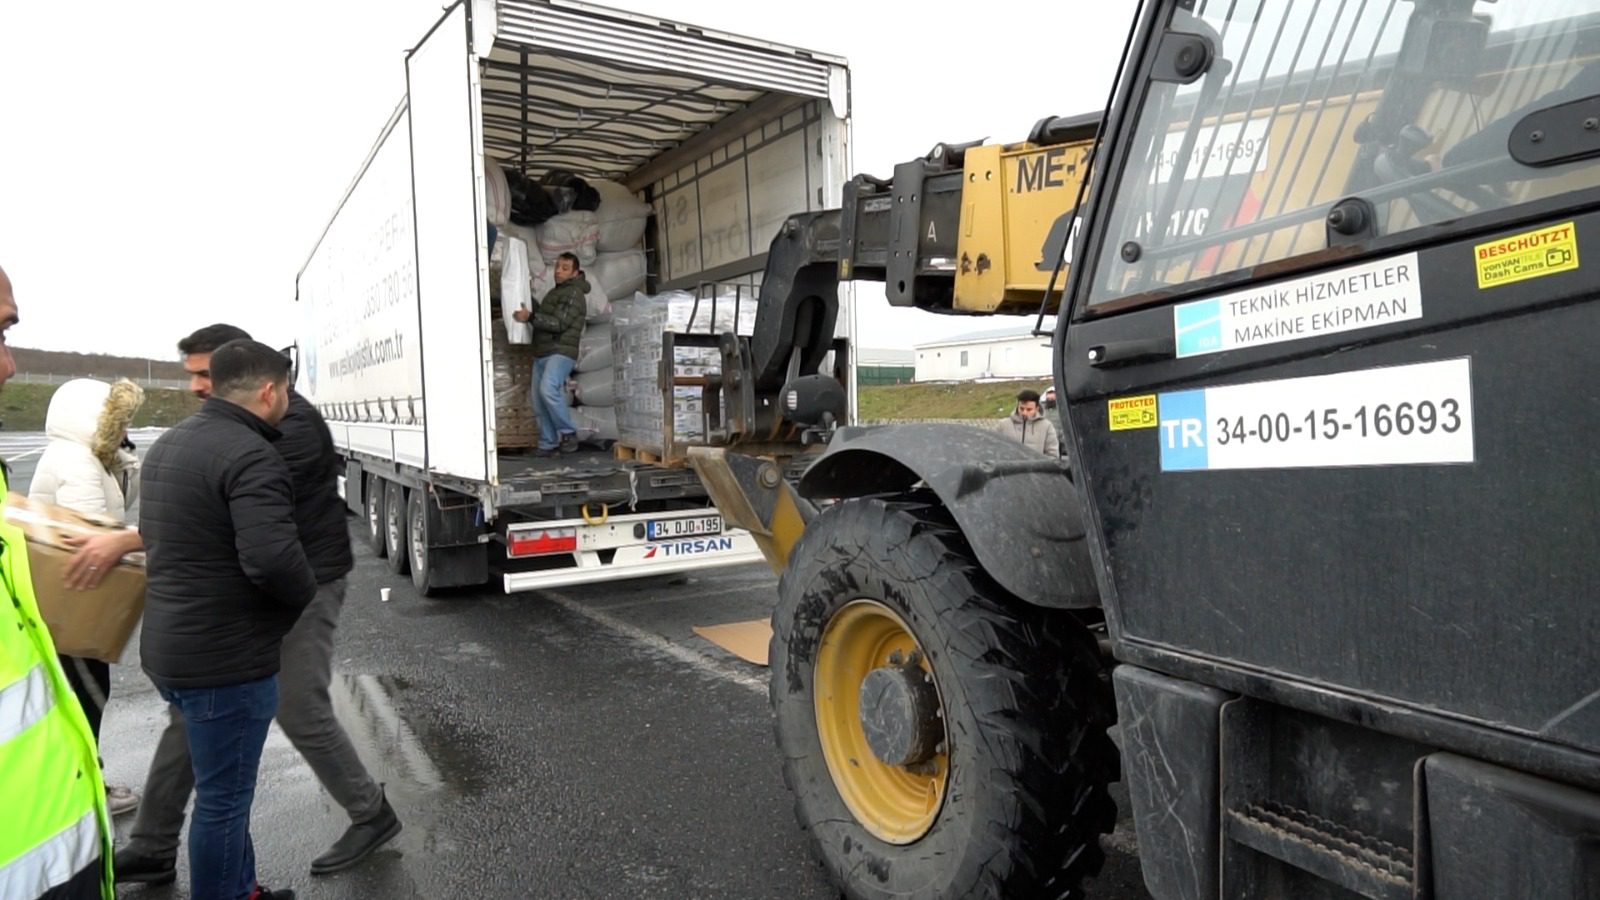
1026, 706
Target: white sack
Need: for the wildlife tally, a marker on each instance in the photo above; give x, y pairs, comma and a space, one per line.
618, 274
595, 388
575, 232
596, 302
515, 290
594, 348
620, 234
496, 192
529, 237
617, 202
596, 423
622, 217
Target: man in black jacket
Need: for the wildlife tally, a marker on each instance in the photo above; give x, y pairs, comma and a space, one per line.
305, 711
227, 578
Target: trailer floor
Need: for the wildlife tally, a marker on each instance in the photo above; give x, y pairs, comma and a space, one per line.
520, 464
566, 482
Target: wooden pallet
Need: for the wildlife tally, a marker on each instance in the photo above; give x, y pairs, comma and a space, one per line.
639, 454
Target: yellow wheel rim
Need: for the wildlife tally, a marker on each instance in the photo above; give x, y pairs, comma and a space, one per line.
897, 804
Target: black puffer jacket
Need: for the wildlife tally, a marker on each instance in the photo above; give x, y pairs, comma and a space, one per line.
307, 446
227, 574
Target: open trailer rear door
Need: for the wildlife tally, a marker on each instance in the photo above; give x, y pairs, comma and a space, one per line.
447, 179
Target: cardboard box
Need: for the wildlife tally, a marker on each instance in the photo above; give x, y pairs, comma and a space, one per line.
97, 623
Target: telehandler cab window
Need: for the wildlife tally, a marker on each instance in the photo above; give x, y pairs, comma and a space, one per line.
1429, 111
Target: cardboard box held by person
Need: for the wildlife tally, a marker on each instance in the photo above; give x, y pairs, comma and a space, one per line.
95, 623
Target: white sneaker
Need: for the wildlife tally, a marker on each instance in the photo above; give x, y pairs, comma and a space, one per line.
121, 799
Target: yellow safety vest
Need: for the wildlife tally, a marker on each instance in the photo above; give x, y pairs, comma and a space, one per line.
53, 819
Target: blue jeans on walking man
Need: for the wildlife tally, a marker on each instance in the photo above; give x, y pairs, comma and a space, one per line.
550, 373
227, 727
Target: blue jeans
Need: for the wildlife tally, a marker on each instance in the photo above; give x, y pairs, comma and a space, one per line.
227, 727
550, 401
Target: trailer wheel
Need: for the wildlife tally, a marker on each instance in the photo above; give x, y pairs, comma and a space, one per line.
394, 527
376, 523
942, 738
417, 546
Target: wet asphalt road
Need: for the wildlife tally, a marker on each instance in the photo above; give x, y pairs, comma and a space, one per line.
583, 743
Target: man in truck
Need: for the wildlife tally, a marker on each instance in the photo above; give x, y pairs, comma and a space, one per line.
557, 329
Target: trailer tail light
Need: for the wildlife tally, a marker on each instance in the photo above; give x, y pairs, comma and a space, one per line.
541, 542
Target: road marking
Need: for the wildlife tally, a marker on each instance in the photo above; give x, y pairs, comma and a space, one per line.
660, 645
21, 456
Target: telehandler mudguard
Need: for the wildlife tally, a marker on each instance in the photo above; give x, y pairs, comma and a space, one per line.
1017, 509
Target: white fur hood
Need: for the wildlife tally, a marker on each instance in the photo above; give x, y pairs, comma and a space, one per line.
83, 467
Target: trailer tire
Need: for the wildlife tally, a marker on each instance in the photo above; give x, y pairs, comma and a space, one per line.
372, 502
395, 538
1023, 711
417, 542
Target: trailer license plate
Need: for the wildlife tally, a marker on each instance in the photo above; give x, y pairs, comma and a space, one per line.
665, 529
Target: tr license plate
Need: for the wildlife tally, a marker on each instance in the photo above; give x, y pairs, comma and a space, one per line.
665, 529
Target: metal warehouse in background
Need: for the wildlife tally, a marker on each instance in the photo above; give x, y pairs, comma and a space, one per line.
999, 354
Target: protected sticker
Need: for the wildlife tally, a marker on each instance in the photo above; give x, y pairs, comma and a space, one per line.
1529, 255
1366, 296
1394, 416
1127, 413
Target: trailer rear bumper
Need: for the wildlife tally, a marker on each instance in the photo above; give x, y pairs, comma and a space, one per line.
735, 548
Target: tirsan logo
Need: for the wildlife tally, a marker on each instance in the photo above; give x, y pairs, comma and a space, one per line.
689, 548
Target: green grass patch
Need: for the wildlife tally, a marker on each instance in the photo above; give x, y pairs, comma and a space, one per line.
23, 407
966, 400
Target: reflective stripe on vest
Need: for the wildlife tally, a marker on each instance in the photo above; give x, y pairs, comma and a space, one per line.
24, 702
53, 862
53, 819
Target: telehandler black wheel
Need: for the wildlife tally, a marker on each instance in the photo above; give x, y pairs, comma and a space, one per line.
942, 738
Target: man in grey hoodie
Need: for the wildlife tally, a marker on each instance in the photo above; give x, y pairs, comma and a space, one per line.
1027, 427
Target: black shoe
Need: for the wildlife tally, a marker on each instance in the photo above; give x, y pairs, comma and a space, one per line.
357, 842
264, 893
131, 867
569, 443
542, 453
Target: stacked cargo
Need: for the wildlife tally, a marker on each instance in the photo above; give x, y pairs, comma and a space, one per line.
619, 265
593, 384
602, 224
638, 348
513, 271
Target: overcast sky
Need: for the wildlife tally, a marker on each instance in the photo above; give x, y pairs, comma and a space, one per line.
165, 165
